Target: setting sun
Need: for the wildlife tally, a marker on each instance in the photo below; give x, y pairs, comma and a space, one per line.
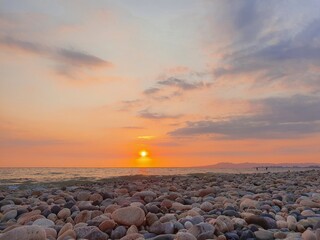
143, 153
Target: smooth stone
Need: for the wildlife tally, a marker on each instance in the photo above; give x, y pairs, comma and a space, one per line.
197, 230
309, 203
180, 207
25, 233
239, 222
151, 218
178, 226
129, 216
264, 235
308, 235
83, 196
222, 237
164, 237
166, 203
89, 232
132, 229
53, 217
248, 203
246, 235
280, 235
133, 236
168, 227
65, 228
118, 232
185, 236
232, 236
64, 213
265, 222
107, 225
167, 218
12, 214
307, 213
282, 224
97, 235
206, 191
292, 223
96, 198
55, 209
29, 216
188, 224
223, 224
83, 216
144, 194
43, 222
51, 232
318, 234
157, 227
206, 206
231, 213
68, 234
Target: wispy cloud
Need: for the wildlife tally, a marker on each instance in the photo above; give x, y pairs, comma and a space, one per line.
147, 137
259, 39
280, 118
146, 113
133, 127
68, 61
26, 142
151, 90
182, 84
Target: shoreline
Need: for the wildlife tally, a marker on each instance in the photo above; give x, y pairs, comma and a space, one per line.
223, 206
29, 183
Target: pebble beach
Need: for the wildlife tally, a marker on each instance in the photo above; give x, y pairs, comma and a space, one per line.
280, 205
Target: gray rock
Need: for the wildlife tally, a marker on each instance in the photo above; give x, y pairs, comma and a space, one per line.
264, 235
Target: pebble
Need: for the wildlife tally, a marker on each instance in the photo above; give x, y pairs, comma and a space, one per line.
68, 234
205, 206
64, 213
265, 222
12, 214
107, 225
25, 233
129, 216
308, 235
264, 235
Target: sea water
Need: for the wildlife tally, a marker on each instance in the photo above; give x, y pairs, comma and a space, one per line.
24, 176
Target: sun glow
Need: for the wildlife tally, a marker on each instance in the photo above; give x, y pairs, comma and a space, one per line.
143, 153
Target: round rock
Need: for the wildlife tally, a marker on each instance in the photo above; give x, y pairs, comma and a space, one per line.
129, 216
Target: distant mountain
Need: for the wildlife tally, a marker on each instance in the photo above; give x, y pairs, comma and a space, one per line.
255, 165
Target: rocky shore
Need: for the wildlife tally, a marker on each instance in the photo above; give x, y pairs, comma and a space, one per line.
200, 206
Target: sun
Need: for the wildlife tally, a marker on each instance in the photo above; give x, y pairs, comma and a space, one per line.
143, 153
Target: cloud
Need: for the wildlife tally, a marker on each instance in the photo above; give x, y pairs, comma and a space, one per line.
153, 115
133, 127
24, 45
290, 117
80, 58
68, 61
128, 105
151, 90
146, 137
181, 84
270, 39
24, 142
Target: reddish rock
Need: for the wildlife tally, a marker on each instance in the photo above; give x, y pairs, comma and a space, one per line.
129, 216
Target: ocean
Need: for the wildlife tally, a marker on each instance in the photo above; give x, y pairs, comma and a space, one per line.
15, 177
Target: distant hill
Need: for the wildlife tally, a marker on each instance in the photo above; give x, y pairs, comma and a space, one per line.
254, 165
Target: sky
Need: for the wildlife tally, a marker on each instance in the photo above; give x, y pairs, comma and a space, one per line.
192, 83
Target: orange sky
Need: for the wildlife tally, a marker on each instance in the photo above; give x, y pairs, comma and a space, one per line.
191, 82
